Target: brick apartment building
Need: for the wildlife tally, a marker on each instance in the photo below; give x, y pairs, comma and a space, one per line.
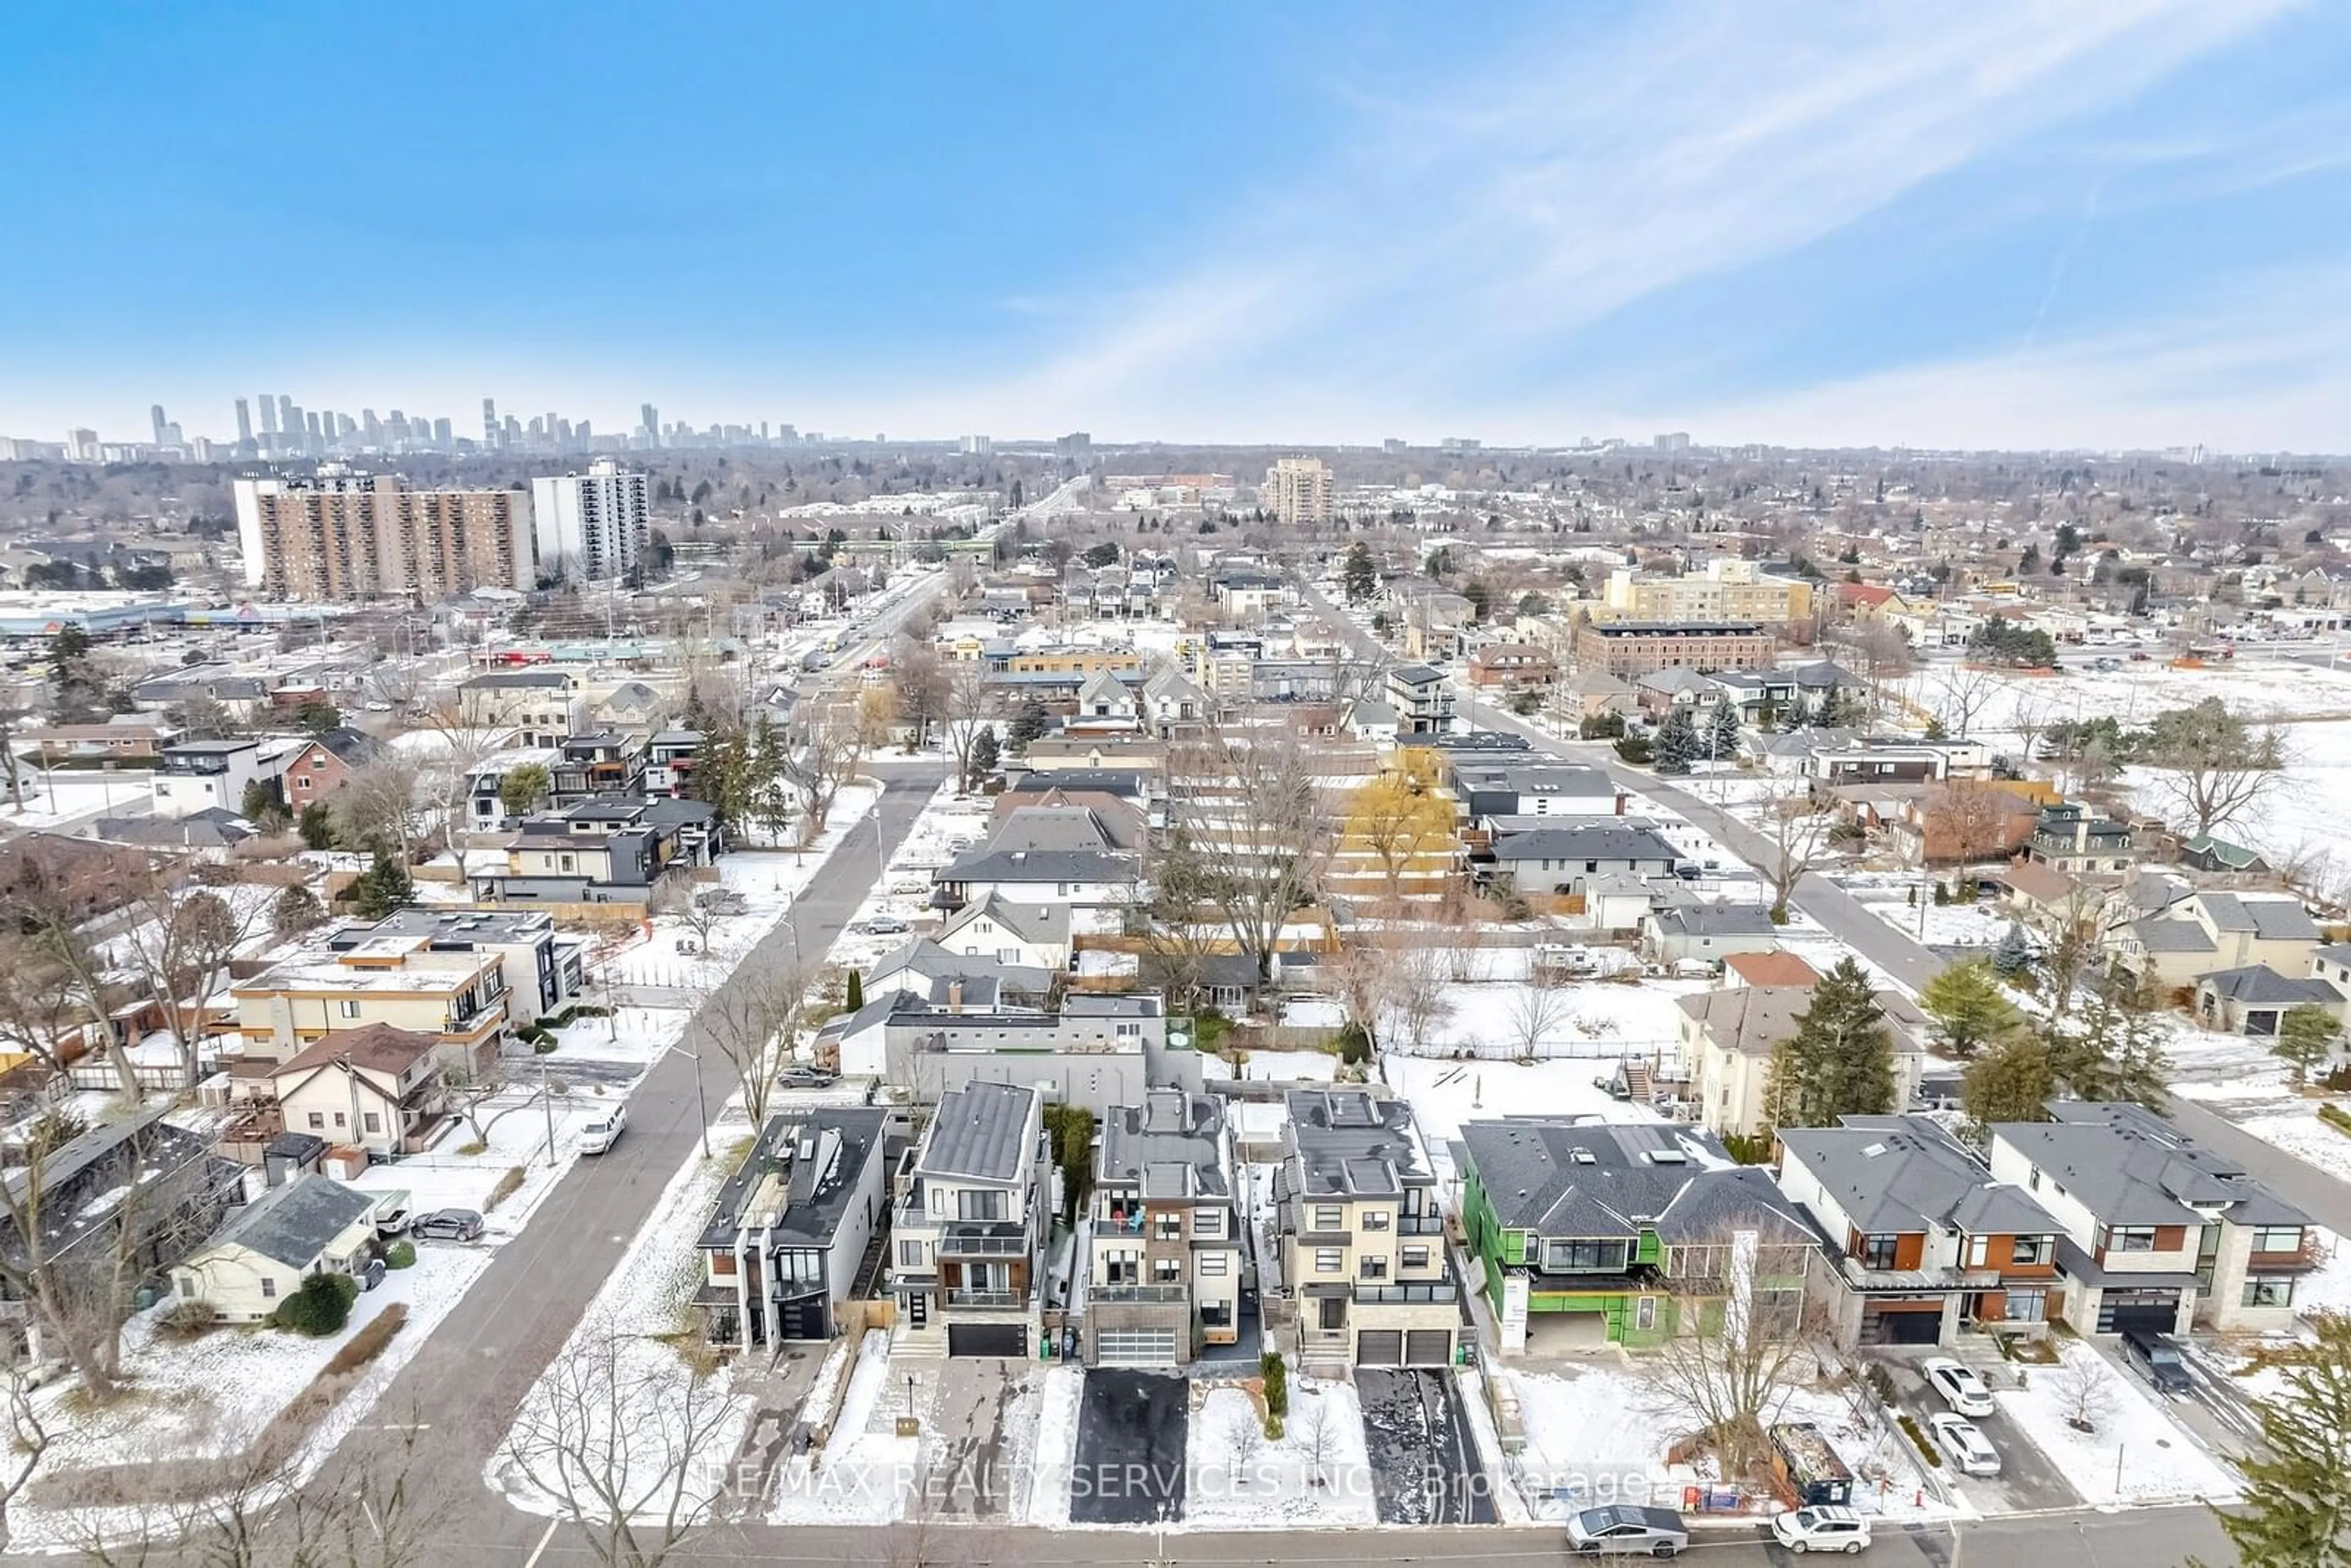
1629, 648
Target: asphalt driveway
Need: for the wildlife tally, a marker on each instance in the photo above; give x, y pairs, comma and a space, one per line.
1425, 1468
1131, 1429
2028, 1478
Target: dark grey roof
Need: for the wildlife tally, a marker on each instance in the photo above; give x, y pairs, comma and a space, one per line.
2335, 953
1715, 920
1120, 781
292, 1223
510, 680
1053, 827
2258, 985
1355, 1143
353, 746
2129, 1167
1037, 866
1893, 1175
1171, 1146
1607, 841
2270, 919
935, 962
1415, 675
2178, 934
819, 1154
1579, 780
215, 827
980, 1133
1566, 1177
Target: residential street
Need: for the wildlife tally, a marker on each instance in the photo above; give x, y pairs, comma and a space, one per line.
470, 1378
2325, 1198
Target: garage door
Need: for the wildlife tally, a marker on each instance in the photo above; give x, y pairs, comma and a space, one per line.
987, 1339
1428, 1347
1134, 1348
2143, 1309
1379, 1347
1888, 1324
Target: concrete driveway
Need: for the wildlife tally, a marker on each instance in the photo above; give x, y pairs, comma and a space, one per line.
1131, 1430
1425, 1468
2028, 1479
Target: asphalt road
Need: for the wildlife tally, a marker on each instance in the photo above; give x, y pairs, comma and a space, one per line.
469, 1379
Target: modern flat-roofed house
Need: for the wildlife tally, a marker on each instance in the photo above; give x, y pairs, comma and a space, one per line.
1363, 1236
2158, 1231
399, 978
1922, 1240
1163, 1278
1422, 699
204, 775
968, 1233
792, 1232
1620, 1233
544, 972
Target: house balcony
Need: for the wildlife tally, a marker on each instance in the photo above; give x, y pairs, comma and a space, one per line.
948, 895
1406, 1296
1857, 1275
961, 1240
1159, 1295
959, 1296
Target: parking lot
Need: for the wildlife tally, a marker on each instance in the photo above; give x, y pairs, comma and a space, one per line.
2028, 1479
1425, 1467
1132, 1431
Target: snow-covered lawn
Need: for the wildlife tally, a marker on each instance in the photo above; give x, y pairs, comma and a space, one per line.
865, 1473
2137, 1454
1238, 1479
1930, 923
1585, 1018
1056, 1452
1444, 1094
628, 1034
64, 794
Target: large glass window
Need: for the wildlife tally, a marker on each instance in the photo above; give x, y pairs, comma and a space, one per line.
1878, 1251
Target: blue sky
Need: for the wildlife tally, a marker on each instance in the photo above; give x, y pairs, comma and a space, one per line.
2001, 223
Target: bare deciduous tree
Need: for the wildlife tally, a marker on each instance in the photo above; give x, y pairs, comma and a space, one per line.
830, 751
621, 1443
1249, 804
379, 804
1961, 695
1537, 1011
750, 1020
27, 1434
2083, 1396
968, 709
1742, 1335
1797, 829
177, 948
469, 735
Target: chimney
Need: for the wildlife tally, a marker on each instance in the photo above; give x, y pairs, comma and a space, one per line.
955, 996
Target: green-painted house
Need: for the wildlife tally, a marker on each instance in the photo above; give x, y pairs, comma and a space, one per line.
1590, 1232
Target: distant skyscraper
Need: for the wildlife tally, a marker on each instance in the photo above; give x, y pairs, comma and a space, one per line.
155, 417
1298, 491
82, 445
649, 423
442, 432
592, 526
979, 446
489, 422
318, 440
268, 415
244, 419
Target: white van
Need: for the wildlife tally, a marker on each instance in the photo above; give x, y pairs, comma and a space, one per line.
604, 1132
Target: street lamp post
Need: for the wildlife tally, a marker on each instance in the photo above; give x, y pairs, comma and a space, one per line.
701, 1107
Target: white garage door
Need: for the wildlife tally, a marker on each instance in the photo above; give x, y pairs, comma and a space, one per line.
1134, 1348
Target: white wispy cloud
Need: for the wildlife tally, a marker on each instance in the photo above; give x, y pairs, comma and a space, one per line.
1482, 218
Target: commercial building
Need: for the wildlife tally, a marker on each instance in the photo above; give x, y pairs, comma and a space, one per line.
345, 536
1298, 491
592, 527
1724, 589
1628, 648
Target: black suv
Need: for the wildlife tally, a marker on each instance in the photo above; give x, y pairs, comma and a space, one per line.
2158, 1359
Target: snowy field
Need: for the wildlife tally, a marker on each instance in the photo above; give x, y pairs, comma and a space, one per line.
1500, 1021
1316, 1474
1908, 905
68, 794
2135, 1453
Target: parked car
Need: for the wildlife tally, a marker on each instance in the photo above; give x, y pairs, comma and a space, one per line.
604, 1132
394, 1217
1960, 1388
799, 1077
1970, 1451
1626, 1529
1822, 1530
447, 1225
883, 926
2156, 1358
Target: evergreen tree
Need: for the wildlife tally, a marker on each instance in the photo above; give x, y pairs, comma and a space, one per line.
383, 887
1722, 730
985, 755
2014, 954
2010, 1083
1676, 746
1360, 576
1968, 1008
2107, 1051
316, 826
2307, 1036
1840, 1060
2296, 1511
854, 998
1029, 723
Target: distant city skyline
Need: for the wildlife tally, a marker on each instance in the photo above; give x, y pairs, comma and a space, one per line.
2116, 224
